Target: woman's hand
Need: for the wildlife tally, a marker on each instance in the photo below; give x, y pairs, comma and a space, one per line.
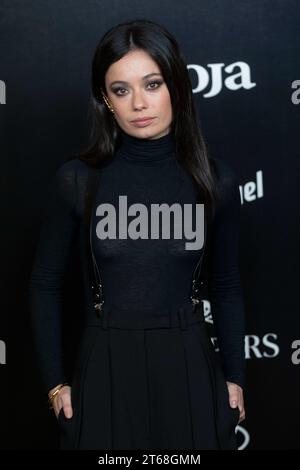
62, 400
236, 398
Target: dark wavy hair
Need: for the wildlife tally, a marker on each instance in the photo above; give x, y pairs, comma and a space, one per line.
104, 137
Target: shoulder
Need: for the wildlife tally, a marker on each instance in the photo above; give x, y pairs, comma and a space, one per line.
71, 167
64, 183
225, 173
227, 181
69, 173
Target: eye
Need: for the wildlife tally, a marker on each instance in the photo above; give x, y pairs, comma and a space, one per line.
116, 91
119, 90
155, 82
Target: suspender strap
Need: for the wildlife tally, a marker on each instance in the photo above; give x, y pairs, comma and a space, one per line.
200, 276
92, 184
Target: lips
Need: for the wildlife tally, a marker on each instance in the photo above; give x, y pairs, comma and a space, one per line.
142, 119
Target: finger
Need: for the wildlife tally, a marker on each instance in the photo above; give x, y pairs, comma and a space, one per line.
233, 399
68, 410
233, 402
242, 416
56, 406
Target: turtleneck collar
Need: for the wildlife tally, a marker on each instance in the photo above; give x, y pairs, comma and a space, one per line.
143, 151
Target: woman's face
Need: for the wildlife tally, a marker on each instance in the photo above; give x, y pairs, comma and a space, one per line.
133, 95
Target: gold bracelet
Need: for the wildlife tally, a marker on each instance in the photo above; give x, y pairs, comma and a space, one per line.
53, 394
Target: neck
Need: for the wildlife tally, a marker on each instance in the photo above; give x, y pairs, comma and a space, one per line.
143, 151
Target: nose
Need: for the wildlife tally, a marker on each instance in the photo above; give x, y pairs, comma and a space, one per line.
138, 101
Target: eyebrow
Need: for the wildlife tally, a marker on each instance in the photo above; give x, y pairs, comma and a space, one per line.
143, 78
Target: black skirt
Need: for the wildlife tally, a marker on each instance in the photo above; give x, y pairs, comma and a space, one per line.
149, 380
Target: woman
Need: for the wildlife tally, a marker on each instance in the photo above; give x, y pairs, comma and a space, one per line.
147, 375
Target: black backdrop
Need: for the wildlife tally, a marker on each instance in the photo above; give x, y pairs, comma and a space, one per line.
244, 62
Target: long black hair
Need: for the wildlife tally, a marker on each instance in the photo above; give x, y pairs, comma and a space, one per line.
191, 149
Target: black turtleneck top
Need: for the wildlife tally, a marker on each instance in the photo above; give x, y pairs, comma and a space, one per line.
145, 273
